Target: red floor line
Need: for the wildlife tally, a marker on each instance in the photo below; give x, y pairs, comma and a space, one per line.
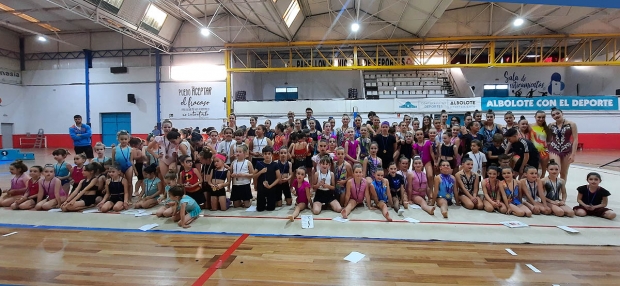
217, 264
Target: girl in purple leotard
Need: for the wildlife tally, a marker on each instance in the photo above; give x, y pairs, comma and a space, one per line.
564, 140
423, 148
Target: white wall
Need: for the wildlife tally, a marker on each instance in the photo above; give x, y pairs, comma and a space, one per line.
12, 106
312, 85
593, 80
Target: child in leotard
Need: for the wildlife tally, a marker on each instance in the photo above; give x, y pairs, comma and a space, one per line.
592, 199
302, 189
468, 184
62, 170
371, 163
117, 194
51, 193
511, 195
191, 178
285, 178
405, 149
418, 189
324, 183
534, 192
492, 194
100, 151
219, 178
448, 151
445, 188
19, 184
139, 159
168, 206
151, 190
364, 143
187, 210
85, 193
241, 176
124, 156
424, 149
555, 191
397, 188
357, 191
456, 141
379, 190
206, 165
432, 136
351, 147
166, 148
76, 171
342, 172
30, 197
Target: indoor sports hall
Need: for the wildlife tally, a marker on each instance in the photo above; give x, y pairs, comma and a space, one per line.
309, 142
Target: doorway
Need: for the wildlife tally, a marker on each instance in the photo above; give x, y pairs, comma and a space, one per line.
7, 135
111, 123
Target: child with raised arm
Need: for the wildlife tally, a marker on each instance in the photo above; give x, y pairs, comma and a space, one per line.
152, 189
555, 191
468, 183
187, 210
168, 206
534, 191
51, 193
445, 188
592, 199
418, 187
381, 193
357, 192
30, 197
324, 184
267, 177
302, 189
19, 184
85, 193
492, 194
117, 194
511, 195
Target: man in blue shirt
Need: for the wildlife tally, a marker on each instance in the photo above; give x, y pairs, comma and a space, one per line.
81, 134
156, 131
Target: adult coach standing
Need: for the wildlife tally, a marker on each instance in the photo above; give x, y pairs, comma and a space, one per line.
81, 135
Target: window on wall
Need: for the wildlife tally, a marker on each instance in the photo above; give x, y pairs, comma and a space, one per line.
495, 90
291, 12
286, 93
112, 5
153, 19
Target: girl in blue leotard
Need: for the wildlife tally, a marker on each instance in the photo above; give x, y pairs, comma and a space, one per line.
380, 190
445, 188
123, 155
511, 195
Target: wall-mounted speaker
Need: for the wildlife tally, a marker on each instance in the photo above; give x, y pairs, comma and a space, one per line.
116, 70
617, 91
131, 98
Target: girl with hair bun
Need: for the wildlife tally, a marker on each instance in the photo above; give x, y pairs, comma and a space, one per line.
555, 192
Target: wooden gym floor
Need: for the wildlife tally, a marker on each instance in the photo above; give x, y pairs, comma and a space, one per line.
234, 248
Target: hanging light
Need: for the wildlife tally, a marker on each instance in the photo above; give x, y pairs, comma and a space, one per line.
355, 27
518, 22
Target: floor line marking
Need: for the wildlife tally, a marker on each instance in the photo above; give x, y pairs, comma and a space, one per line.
217, 264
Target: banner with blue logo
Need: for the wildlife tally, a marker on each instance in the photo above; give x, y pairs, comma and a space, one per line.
586, 103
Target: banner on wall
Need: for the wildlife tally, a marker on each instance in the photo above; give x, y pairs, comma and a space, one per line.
10, 76
193, 101
528, 85
586, 103
436, 105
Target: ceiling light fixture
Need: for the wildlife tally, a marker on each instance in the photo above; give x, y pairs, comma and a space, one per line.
41, 39
355, 27
205, 32
518, 22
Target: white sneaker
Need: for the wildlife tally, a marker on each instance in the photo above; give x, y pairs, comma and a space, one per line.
401, 211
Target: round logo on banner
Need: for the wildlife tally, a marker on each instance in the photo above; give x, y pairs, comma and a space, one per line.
4, 153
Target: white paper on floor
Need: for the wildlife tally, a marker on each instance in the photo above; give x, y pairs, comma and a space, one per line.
148, 226
567, 229
307, 221
354, 257
143, 214
415, 207
55, 210
533, 268
251, 209
9, 234
511, 252
340, 219
91, 211
514, 224
401, 211
411, 220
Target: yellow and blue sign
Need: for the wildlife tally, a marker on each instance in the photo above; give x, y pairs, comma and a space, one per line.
585, 103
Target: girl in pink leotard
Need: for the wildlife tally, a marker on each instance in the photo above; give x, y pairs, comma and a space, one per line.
302, 189
51, 194
351, 146
357, 191
424, 149
418, 187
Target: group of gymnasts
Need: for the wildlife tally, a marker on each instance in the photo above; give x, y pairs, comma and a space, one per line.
520, 167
